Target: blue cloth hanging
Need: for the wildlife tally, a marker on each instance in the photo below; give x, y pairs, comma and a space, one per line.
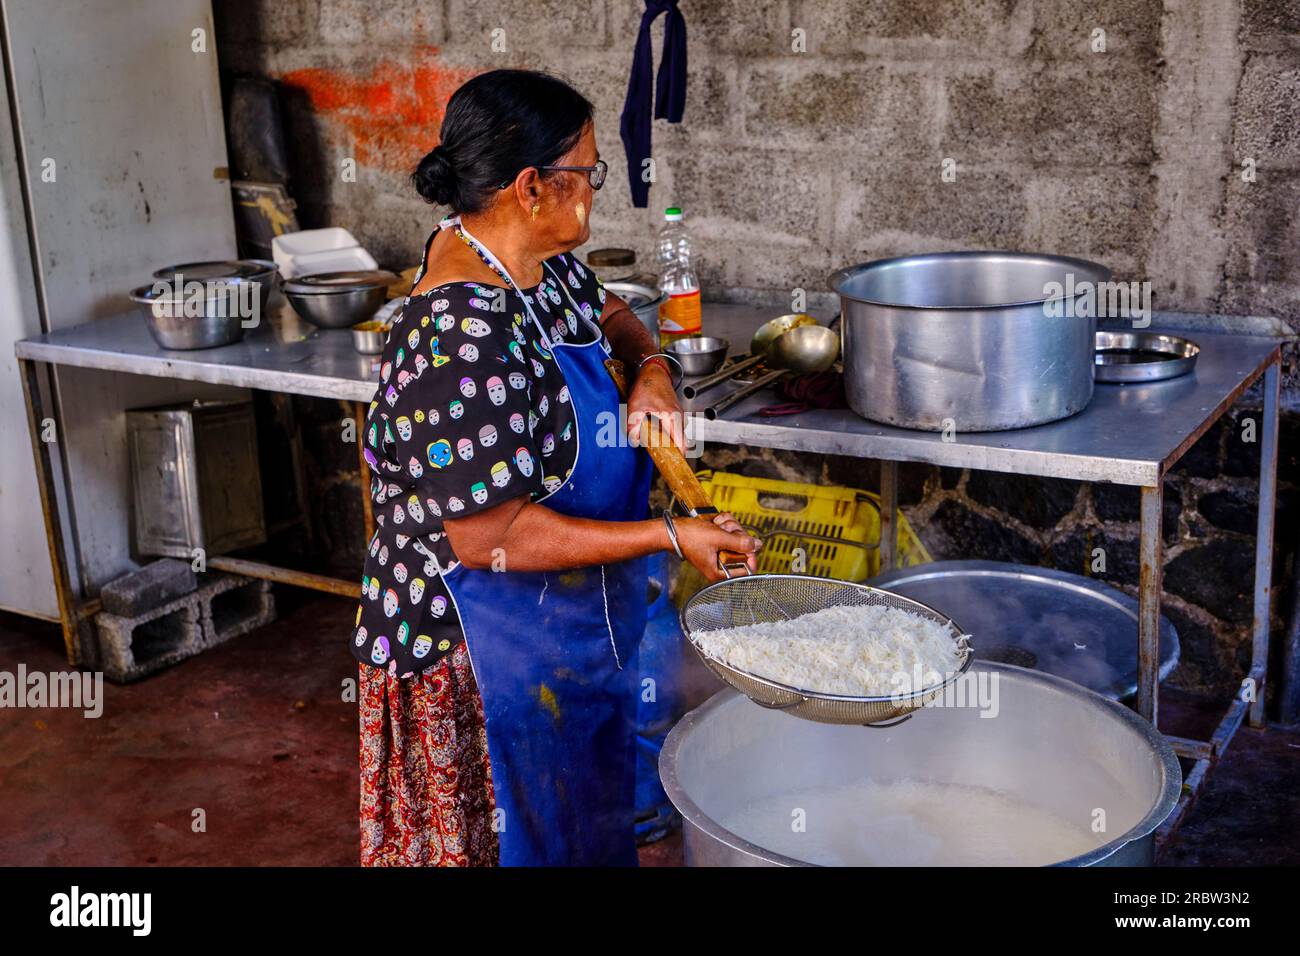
669, 95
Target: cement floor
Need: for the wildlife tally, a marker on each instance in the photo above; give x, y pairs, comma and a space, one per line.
257, 736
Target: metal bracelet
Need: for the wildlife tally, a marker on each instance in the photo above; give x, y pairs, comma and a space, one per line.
672, 533
667, 358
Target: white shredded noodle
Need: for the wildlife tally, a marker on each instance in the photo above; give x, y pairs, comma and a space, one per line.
854, 650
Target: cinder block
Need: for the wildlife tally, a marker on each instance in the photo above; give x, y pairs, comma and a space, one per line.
1064, 31
1096, 113
801, 101
231, 605
151, 586
938, 29
741, 203
222, 607
1101, 214
911, 209
469, 24
1267, 120
132, 647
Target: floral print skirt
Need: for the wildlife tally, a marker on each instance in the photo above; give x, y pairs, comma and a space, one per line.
426, 784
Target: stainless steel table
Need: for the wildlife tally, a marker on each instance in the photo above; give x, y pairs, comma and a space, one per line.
1130, 435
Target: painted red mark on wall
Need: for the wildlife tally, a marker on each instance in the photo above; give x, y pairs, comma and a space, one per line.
392, 113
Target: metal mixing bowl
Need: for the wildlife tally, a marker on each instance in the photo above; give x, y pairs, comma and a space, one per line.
1051, 745
224, 306
338, 300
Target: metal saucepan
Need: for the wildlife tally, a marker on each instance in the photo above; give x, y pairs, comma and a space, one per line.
767, 333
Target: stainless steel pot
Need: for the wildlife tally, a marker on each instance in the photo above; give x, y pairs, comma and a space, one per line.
1052, 745
971, 339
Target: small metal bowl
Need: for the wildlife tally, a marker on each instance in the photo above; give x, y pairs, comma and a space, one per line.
699, 355
224, 306
369, 337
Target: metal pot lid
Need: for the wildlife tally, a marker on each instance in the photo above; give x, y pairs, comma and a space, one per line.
1124, 356
326, 282
1060, 623
215, 269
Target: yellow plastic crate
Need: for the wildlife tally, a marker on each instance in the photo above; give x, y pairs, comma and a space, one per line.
837, 528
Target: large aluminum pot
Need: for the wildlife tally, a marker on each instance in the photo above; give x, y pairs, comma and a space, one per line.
976, 341
1052, 745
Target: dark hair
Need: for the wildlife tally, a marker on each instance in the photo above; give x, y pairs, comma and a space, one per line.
497, 124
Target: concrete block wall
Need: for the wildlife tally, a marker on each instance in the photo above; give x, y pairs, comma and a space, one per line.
791, 164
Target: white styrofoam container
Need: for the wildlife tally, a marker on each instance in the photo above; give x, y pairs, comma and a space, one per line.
332, 249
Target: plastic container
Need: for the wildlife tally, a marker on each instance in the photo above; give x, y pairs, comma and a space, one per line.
679, 315
838, 529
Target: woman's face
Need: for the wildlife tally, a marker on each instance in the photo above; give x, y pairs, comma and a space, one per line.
569, 212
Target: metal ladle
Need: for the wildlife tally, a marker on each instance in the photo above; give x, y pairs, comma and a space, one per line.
802, 350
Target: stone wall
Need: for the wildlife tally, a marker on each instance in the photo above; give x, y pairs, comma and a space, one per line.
1173, 157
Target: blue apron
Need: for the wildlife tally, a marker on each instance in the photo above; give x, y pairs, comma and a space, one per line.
555, 657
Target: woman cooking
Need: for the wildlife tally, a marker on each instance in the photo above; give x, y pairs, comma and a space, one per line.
504, 595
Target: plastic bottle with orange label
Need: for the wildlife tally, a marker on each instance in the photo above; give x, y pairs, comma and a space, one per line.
679, 315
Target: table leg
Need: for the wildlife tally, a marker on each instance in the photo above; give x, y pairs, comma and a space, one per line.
69, 616
1150, 555
1264, 541
888, 514
359, 413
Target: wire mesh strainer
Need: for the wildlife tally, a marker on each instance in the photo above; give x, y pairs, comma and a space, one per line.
766, 598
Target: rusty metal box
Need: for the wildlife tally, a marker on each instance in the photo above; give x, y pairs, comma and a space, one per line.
195, 481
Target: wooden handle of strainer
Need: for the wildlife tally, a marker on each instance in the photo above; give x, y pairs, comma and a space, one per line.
677, 472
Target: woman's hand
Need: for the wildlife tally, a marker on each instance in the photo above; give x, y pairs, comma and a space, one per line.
653, 395
702, 538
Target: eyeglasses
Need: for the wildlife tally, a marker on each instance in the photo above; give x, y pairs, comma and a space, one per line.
595, 174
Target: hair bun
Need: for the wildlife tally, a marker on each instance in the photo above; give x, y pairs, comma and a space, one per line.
435, 178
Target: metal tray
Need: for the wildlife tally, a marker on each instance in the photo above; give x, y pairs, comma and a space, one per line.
1142, 356
1061, 623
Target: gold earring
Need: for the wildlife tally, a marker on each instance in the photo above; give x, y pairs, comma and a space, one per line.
535, 208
